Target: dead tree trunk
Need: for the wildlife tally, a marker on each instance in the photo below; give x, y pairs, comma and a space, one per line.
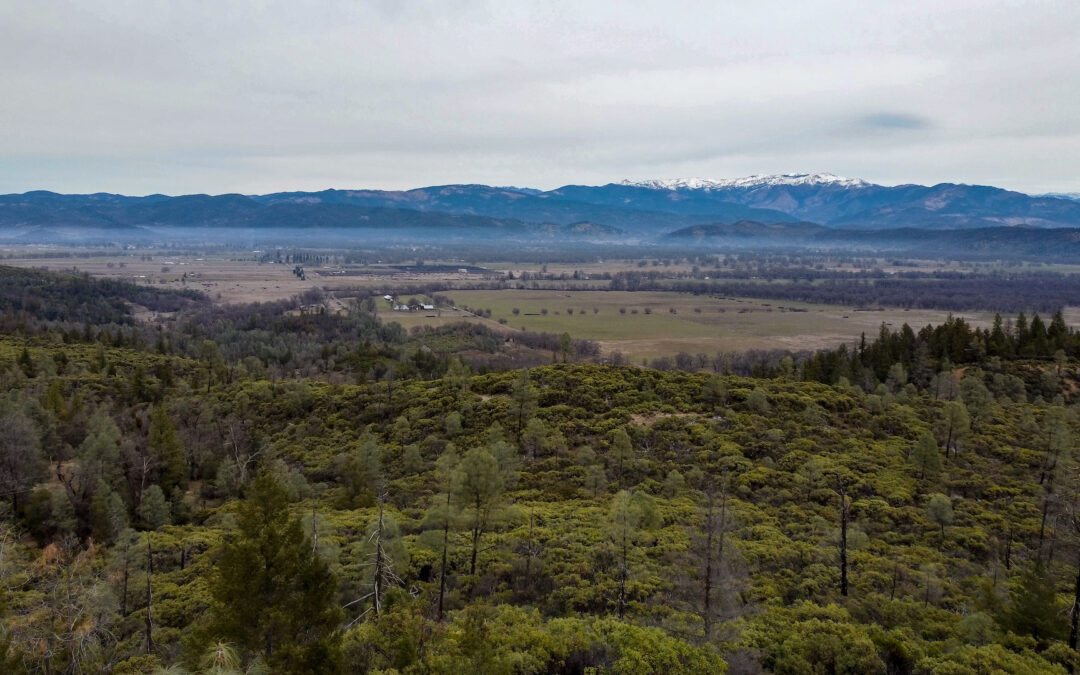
380, 561
445, 548
1074, 621
844, 506
715, 531
623, 572
149, 596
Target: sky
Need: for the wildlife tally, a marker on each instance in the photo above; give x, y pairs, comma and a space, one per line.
179, 96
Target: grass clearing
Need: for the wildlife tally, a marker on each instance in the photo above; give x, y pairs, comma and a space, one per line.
643, 325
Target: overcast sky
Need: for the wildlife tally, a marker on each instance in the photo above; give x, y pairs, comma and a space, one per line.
177, 97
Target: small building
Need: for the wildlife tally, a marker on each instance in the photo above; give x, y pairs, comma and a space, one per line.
427, 307
401, 308
388, 298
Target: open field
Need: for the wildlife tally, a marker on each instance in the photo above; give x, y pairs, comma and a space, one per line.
641, 324
230, 280
223, 279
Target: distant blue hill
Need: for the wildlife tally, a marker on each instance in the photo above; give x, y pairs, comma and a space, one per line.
642, 210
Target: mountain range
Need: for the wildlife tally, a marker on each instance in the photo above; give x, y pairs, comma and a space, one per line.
987, 242
641, 210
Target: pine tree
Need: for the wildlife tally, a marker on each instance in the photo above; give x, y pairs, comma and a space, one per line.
442, 514
452, 424
1023, 336
22, 464
1040, 345
1034, 606
939, 509
361, 470
955, 426
999, 342
271, 594
926, 456
977, 398
97, 473
566, 347
153, 511
166, 450
621, 453
1058, 332
26, 362
714, 391
478, 483
533, 437
628, 516
524, 398
457, 376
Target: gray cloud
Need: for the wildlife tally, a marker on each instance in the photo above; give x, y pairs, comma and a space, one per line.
258, 95
894, 121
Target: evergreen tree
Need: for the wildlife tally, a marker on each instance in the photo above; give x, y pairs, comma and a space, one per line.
441, 515
534, 437
1058, 332
26, 362
999, 342
955, 426
629, 515
108, 514
360, 470
524, 398
1034, 607
1023, 336
271, 594
926, 456
166, 450
97, 472
939, 509
22, 464
977, 398
452, 424
714, 392
1040, 345
153, 511
620, 454
457, 376
566, 347
477, 484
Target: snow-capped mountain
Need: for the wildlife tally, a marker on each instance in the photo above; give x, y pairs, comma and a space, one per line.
756, 180
851, 202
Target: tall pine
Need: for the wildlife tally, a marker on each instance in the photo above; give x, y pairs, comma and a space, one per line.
166, 450
272, 595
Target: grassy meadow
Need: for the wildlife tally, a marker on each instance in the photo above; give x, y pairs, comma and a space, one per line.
650, 324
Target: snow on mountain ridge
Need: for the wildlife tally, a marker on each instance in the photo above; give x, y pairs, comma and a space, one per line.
1073, 196
756, 180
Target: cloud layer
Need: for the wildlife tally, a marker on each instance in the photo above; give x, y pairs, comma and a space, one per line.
146, 96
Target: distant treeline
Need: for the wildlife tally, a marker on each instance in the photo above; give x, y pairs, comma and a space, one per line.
954, 341
919, 355
28, 295
1036, 292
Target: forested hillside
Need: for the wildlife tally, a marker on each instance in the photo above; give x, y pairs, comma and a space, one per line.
180, 500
